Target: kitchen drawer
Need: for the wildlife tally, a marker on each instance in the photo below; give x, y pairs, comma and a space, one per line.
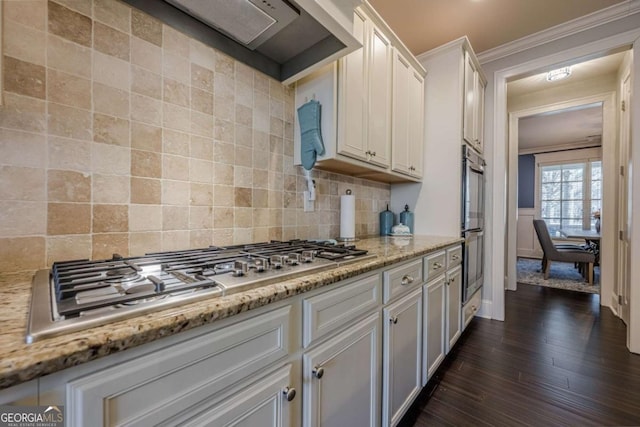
434, 265
151, 388
337, 308
471, 307
400, 280
454, 256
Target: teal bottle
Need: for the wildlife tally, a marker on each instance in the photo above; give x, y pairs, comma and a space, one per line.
386, 222
406, 217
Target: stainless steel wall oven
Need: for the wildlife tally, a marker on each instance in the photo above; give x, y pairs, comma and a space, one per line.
472, 221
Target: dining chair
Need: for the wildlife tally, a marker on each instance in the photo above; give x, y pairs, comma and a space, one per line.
575, 254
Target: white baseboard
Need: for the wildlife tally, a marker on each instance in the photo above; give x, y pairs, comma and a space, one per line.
485, 309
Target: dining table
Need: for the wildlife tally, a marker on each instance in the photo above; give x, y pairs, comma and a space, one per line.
591, 237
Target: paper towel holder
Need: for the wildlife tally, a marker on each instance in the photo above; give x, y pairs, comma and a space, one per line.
349, 236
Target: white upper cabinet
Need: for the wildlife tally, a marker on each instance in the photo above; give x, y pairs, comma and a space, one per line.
473, 117
408, 118
362, 115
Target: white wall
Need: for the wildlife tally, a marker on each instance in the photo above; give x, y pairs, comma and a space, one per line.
565, 50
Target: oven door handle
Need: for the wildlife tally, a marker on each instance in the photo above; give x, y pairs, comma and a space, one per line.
478, 169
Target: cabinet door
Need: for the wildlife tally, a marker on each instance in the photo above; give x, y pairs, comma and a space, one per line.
454, 307
265, 403
352, 95
379, 116
480, 87
469, 115
341, 381
416, 123
400, 157
434, 297
402, 360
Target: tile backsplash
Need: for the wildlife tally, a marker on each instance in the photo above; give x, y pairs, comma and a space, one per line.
119, 134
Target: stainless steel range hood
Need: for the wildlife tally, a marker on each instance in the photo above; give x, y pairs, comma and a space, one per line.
285, 39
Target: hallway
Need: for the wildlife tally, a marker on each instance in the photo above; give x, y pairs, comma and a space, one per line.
558, 359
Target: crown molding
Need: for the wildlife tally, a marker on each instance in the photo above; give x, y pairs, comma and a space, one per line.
560, 147
600, 17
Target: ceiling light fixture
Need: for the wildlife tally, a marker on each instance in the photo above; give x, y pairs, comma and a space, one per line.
559, 74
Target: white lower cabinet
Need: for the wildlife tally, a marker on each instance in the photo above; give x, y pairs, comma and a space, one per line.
341, 378
434, 303
454, 306
402, 355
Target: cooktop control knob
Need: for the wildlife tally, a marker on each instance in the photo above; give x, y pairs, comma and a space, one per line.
293, 259
307, 256
261, 264
276, 261
240, 268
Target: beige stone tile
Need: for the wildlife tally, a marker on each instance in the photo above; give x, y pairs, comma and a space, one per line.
224, 64
242, 197
201, 148
31, 13
113, 13
260, 141
20, 183
245, 157
175, 192
276, 199
224, 99
22, 254
224, 130
175, 42
243, 136
67, 56
175, 240
244, 73
224, 152
275, 217
146, 27
175, 217
68, 89
201, 194
260, 160
110, 188
200, 238
261, 117
146, 137
223, 236
24, 78
223, 174
291, 200
244, 115
175, 167
276, 145
202, 55
290, 183
68, 186
22, 148
277, 127
175, 92
288, 130
200, 171
276, 109
68, 247
146, 164
146, 110
145, 217
260, 198
69, 122
275, 233
146, 55
110, 101
201, 124
201, 101
202, 77
223, 217
145, 191
146, 82
105, 245
261, 234
110, 159
81, 6
110, 218
110, 130
174, 142
276, 90
176, 67
176, 117
261, 83
242, 176
111, 71
24, 43
244, 94
260, 178
69, 24
143, 243
110, 41
242, 236
243, 218
68, 218
223, 195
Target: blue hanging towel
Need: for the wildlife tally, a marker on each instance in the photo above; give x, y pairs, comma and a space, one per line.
310, 136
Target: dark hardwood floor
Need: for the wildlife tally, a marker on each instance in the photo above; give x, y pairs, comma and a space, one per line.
558, 359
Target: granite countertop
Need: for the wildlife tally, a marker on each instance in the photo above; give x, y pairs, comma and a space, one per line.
20, 362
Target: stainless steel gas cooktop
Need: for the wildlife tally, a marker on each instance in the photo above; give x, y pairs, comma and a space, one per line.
76, 295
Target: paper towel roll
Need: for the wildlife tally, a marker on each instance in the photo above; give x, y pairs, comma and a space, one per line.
348, 216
